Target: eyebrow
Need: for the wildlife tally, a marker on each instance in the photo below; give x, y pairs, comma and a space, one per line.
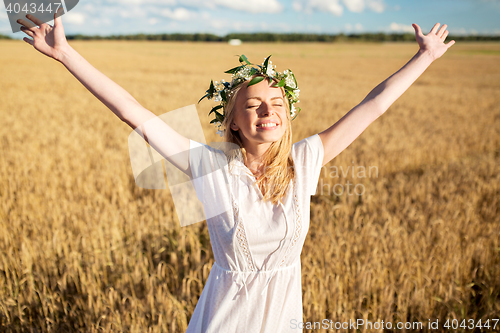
260, 99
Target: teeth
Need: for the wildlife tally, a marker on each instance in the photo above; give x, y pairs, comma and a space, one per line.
268, 125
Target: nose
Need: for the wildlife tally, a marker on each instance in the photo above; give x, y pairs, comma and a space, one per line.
265, 109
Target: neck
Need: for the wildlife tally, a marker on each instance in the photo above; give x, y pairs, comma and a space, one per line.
255, 156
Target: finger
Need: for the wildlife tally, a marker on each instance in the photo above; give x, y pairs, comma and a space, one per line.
450, 43
29, 41
445, 35
29, 25
418, 30
34, 19
27, 31
57, 19
435, 28
441, 30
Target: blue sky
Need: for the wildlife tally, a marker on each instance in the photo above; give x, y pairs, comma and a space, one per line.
106, 17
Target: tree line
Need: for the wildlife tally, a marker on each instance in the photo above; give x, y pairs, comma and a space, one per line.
274, 37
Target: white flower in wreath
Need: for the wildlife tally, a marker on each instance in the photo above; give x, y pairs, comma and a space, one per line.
270, 70
219, 87
293, 111
290, 82
244, 73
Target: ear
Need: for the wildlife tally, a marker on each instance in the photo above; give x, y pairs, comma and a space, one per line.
234, 127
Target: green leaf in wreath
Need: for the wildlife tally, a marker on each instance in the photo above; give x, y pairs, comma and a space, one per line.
243, 59
280, 84
215, 108
211, 90
255, 80
206, 95
233, 70
219, 116
266, 63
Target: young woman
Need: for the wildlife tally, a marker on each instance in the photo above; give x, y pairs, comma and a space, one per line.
265, 188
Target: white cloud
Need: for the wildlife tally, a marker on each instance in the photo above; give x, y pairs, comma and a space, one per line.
336, 7
398, 27
314, 28
74, 18
458, 31
331, 6
104, 21
356, 6
252, 6
144, 2
349, 27
152, 21
468, 32
378, 6
133, 12
178, 14
90, 8
297, 6
3, 14
218, 24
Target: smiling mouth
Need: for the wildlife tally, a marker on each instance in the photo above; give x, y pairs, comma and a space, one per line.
268, 125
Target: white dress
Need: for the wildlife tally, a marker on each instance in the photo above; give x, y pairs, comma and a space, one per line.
255, 282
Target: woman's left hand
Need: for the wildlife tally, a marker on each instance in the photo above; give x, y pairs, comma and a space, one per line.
433, 42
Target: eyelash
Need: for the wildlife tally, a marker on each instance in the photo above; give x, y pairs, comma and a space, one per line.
254, 106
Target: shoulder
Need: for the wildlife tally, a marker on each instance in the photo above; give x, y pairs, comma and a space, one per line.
309, 147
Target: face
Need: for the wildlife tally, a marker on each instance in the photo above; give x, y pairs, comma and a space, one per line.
260, 114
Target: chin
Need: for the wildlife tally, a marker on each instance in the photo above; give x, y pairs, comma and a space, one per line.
272, 137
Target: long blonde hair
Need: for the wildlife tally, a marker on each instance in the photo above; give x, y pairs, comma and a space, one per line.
278, 163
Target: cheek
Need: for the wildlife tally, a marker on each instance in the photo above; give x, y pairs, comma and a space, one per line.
246, 119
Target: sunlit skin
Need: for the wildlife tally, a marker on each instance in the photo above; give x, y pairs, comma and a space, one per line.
255, 105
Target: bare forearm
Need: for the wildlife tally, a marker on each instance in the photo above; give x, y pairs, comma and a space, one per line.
108, 92
393, 87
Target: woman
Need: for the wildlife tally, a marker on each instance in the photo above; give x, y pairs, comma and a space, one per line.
265, 188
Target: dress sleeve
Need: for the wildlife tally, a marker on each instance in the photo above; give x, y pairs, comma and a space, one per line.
201, 158
308, 159
210, 177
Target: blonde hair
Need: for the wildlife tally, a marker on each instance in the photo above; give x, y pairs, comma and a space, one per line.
278, 163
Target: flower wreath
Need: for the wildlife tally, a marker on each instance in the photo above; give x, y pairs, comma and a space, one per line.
220, 91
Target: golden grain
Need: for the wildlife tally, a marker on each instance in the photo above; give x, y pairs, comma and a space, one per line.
82, 248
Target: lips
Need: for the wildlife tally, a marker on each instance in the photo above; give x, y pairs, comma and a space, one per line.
268, 125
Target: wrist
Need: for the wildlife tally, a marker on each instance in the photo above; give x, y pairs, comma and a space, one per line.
427, 55
65, 54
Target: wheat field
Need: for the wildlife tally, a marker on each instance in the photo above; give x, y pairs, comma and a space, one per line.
83, 249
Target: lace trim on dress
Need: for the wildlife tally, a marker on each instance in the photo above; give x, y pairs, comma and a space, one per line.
298, 224
242, 237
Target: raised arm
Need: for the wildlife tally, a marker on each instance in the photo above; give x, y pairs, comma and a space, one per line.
52, 42
340, 135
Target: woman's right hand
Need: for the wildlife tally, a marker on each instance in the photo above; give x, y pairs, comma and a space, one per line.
49, 40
